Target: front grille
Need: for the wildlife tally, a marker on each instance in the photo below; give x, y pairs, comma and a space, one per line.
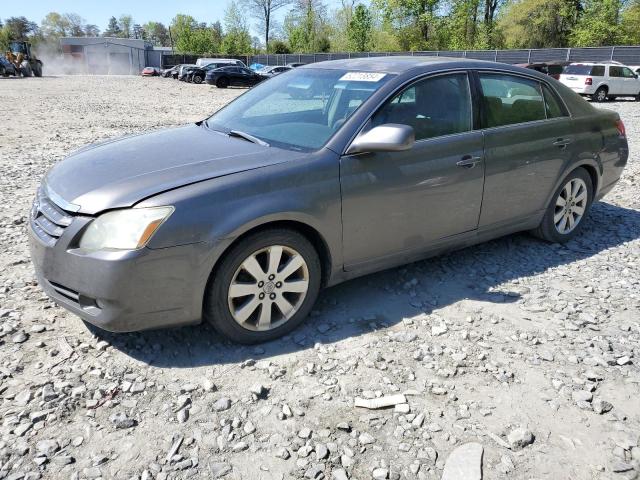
48, 220
66, 292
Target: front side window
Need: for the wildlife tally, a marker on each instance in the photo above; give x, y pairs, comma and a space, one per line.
434, 107
300, 110
628, 73
509, 100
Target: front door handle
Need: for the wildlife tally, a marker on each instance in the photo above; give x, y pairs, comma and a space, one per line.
562, 142
469, 161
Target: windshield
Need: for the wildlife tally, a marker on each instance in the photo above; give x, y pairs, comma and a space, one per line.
299, 109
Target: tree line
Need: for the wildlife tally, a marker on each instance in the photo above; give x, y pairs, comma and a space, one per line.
380, 25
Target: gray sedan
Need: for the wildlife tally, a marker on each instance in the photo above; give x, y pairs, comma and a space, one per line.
324, 173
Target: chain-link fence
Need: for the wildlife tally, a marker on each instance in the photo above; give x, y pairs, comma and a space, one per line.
629, 55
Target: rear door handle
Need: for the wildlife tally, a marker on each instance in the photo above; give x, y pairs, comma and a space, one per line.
562, 142
469, 161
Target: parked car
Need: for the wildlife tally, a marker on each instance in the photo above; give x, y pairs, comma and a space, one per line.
182, 71
169, 72
257, 66
232, 76
198, 74
241, 219
150, 72
201, 62
601, 81
553, 69
7, 68
269, 72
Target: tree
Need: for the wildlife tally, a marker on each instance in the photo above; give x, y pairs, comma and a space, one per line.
91, 30
125, 22
537, 24
305, 28
598, 24
156, 33
415, 21
19, 28
359, 29
263, 10
113, 29
55, 25
237, 40
278, 46
75, 24
630, 19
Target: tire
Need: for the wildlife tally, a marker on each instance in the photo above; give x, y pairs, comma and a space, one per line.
37, 71
638, 97
600, 95
222, 82
552, 231
237, 316
612, 98
197, 79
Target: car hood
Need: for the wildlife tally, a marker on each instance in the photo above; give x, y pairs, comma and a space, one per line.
122, 172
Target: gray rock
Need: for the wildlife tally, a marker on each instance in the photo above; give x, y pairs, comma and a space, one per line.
121, 421
582, 396
520, 438
380, 473
219, 469
19, 337
464, 463
222, 404
366, 438
47, 447
339, 474
601, 406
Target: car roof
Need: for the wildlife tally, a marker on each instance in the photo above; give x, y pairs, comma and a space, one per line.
402, 64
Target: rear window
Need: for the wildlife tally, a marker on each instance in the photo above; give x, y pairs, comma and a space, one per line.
593, 70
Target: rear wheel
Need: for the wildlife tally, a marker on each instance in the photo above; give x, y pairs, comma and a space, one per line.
638, 97
569, 206
600, 95
37, 70
197, 79
222, 82
264, 287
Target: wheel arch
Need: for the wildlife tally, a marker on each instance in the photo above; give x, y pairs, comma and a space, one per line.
593, 169
305, 229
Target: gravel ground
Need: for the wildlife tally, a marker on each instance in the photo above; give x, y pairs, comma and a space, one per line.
516, 358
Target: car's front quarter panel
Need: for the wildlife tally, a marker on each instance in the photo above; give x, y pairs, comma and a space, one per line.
217, 211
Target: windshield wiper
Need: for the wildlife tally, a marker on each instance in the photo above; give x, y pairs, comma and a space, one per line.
247, 137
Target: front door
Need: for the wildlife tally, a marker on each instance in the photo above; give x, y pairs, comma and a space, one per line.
401, 202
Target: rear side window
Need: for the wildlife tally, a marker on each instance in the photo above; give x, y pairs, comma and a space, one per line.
434, 107
552, 104
579, 69
509, 100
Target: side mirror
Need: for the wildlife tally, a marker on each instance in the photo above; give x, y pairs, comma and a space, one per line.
390, 137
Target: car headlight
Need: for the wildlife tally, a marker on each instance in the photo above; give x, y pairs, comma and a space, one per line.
124, 229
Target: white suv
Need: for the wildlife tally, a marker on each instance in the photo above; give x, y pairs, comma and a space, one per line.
601, 80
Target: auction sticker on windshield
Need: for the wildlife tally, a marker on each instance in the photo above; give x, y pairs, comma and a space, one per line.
363, 77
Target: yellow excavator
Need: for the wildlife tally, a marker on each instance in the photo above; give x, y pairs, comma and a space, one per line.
24, 60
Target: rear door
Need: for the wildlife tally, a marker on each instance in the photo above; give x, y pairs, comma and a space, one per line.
528, 139
632, 85
402, 202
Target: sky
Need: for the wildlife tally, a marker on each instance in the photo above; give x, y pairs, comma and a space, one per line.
98, 12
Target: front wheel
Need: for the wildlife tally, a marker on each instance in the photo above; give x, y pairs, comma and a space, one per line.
569, 206
264, 287
197, 79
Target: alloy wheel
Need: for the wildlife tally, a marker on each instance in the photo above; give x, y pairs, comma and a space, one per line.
268, 288
601, 95
571, 205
